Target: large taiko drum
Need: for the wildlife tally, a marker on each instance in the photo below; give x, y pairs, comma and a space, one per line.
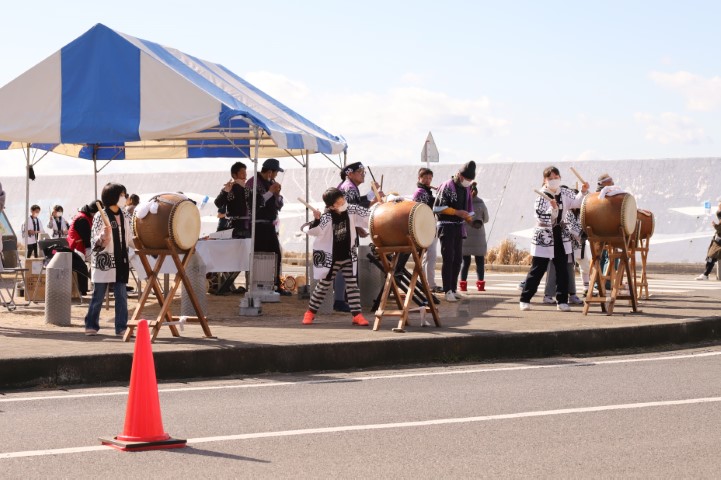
177, 219
609, 215
647, 225
392, 223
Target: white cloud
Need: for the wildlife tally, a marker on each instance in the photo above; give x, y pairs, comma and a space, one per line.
671, 127
278, 86
700, 93
390, 126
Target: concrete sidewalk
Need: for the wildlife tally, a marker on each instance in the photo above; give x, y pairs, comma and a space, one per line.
484, 325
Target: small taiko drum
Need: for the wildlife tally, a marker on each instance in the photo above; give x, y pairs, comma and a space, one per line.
289, 283
177, 219
392, 223
608, 216
647, 224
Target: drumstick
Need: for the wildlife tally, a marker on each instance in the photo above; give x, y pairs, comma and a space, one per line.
381, 182
578, 175
375, 190
308, 205
372, 176
541, 194
106, 220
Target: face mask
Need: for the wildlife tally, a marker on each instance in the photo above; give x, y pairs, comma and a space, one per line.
121, 202
466, 183
342, 208
554, 184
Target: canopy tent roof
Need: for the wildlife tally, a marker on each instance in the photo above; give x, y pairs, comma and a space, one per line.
107, 95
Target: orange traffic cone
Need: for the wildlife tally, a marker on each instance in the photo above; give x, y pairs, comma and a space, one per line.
143, 428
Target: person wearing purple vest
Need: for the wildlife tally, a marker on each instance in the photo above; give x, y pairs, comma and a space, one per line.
424, 194
453, 208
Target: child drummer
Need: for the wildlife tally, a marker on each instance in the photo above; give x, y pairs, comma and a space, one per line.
334, 250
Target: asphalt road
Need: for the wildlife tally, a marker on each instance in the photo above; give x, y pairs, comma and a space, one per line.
647, 415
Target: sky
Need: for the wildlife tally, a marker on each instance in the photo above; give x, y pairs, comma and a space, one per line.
504, 81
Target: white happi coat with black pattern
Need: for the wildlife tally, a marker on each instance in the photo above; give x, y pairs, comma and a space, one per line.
542, 240
103, 261
323, 244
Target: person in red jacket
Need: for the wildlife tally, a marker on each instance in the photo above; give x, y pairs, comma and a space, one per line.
79, 232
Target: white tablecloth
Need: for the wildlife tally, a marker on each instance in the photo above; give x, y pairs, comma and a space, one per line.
231, 255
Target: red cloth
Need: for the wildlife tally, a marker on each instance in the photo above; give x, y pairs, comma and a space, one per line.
75, 237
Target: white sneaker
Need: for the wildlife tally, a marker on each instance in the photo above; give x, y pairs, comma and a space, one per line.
563, 307
458, 296
549, 300
525, 306
450, 297
575, 300
702, 277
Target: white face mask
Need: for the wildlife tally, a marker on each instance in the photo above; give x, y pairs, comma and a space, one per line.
554, 184
121, 201
342, 208
466, 183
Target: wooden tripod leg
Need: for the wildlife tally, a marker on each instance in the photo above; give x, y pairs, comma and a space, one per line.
409, 297
417, 256
153, 284
181, 267
390, 268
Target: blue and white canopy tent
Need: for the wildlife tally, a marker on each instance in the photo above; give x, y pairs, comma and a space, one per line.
110, 96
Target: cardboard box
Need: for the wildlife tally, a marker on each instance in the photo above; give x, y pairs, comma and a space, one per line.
35, 282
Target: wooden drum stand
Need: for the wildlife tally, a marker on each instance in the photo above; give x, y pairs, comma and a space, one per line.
641, 245
165, 301
618, 248
389, 266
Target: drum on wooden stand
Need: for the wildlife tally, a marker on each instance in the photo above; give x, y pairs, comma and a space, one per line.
177, 219
647, 224
609, 216
392, 223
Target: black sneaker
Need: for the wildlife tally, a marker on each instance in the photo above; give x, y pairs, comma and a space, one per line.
341, 307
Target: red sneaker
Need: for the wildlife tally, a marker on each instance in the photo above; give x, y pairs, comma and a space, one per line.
464, 286
308, 318
360, 320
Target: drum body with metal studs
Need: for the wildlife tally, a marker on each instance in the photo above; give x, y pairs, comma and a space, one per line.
609, 216
177, 219
392, 223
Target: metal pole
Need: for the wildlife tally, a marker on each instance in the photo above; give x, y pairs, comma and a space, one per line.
95, 171
307, 199
254, 199
27, 199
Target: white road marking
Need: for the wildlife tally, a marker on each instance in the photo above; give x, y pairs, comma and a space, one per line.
383, 426
376, 377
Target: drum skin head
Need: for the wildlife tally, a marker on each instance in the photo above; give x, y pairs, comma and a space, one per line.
422, 225
185, 224
629, 212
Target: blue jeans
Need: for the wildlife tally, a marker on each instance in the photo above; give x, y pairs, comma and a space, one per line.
92, 319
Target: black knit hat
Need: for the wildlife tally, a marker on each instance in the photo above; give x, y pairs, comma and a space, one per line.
468, 171
331, 196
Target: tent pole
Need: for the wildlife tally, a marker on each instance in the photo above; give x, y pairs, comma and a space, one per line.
95, 171
27, 198
307, 200
253, 201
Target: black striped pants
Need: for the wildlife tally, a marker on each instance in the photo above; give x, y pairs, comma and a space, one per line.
351, 287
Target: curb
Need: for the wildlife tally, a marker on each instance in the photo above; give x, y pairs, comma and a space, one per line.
254, 359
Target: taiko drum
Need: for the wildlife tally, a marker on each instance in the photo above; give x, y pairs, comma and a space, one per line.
177, 219
609, 216
392, 223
